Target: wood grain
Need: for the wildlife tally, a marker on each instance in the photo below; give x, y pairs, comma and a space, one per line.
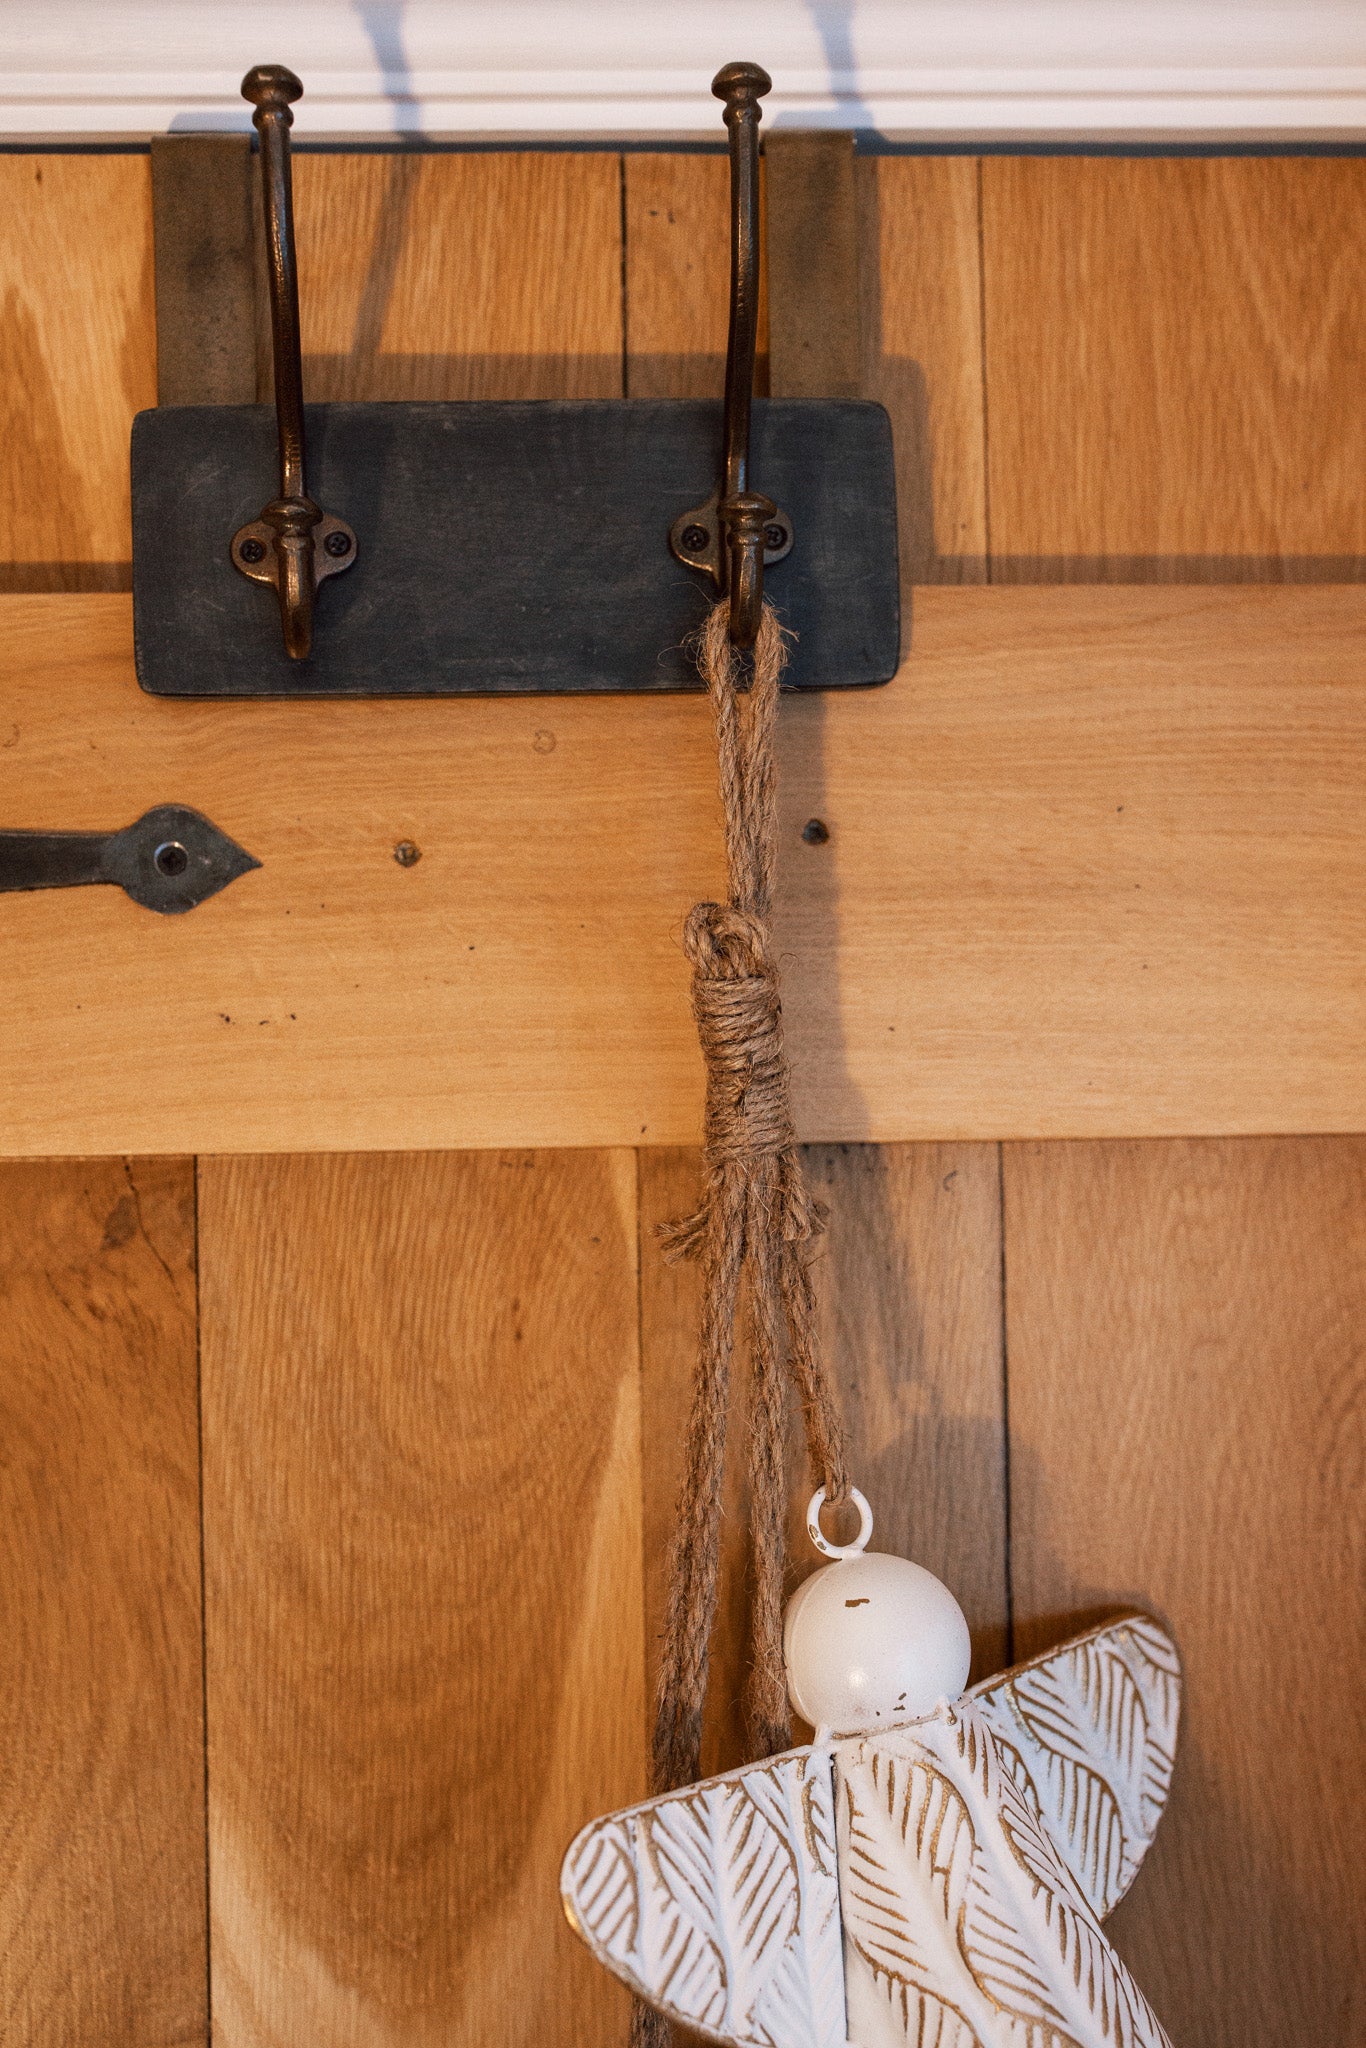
77, 339
102, 1934
1175, 351
908, 1281
922, 326
910, 1288
1094, 868
678, 277
422, 1552
488, 275
1187, 1433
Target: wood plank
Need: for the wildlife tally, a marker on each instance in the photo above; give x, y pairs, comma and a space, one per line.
205, 208
908, 1281
422, 1551
911, 1308
78, 343
1094, 869
1175, 352
678, 277
102, 1932
488, 275
811, 228
1187, 1433
922, 326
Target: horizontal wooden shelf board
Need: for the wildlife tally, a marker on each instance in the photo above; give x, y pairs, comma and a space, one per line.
1096, 866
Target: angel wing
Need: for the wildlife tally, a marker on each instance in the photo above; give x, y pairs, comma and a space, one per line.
720, 1904
1088, 1732
963, 1927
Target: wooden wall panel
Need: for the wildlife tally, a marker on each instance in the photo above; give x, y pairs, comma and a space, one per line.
78, 346
1094, 868
1175, 353
102, 1932
1188, 1432
422, 1548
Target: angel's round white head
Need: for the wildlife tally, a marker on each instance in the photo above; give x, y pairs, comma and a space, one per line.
871, 1641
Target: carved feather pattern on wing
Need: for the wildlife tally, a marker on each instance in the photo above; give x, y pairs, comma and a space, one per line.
721, 1904
900, 1810
1089, 1736
1066, 1982
963, 1926
606, 1885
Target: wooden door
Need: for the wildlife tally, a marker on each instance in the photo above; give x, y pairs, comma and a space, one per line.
337, 1484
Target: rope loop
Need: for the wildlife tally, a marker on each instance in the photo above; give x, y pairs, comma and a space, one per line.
724, 943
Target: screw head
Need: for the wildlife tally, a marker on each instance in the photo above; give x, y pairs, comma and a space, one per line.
694, 539
170, 858
815, 831
337, 544
407, 854
251, 551
775, 536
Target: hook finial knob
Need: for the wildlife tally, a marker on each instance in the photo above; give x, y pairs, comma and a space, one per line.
271, 88
741, 85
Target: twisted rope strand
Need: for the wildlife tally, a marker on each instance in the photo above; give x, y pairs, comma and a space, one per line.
751, 1234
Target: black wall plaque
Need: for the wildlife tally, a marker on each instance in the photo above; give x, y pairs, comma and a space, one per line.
505, 547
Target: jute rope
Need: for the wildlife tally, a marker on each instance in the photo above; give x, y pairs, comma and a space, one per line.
752, 1236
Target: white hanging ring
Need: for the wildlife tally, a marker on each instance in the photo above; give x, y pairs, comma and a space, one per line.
822, 1541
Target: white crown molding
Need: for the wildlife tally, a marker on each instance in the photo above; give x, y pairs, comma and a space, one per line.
971, 68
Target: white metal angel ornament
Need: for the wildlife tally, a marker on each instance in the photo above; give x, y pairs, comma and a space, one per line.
933, 1869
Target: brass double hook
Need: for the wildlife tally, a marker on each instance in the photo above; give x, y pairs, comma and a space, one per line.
294, 545
738, 531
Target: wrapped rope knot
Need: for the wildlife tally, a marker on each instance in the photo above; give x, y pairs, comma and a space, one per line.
738, 1007
740, 1025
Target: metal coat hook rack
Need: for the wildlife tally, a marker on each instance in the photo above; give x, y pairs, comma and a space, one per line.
449, 517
